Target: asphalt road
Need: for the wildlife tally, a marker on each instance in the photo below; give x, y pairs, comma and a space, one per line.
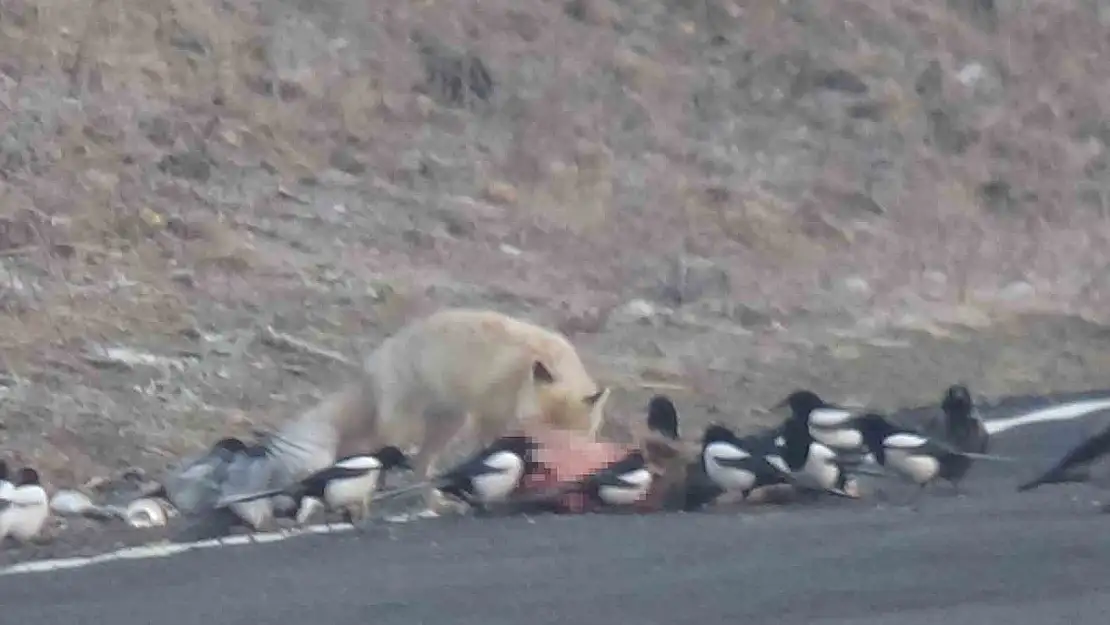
994, 556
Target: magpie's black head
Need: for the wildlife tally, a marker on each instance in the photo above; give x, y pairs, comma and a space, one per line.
801, 403
3, 470
27, 477
229, 444
717, 433
874, 428
957, 401
662, 416
392, 457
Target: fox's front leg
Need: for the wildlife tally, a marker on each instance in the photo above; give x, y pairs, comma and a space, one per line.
440, 427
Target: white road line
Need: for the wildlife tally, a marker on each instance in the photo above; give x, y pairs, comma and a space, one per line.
1059, 412
168, 549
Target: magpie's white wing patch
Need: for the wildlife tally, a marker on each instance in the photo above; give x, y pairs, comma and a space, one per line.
840, 438
363, 463
505, 461
820, 452
640, 478
829, 417
634, 485
726, 451
778, 463
904, 440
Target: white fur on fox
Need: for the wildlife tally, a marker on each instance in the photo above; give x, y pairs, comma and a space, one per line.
426, 383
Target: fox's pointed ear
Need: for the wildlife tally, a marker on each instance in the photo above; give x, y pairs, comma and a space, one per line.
592, 399
541, 374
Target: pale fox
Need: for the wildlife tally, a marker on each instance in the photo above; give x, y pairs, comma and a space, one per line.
454, 368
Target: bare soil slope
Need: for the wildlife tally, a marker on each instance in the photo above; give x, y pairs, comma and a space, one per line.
209, 210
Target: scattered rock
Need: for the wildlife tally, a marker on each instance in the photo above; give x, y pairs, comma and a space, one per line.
857, 285
935, 283
159, 130
637, 70
525, 24
871, 110
1018, 290
456, 222
452, 77
147, 512
838, 80
637, 310
980, 79
71, 503
732, 310
127, 359
588, 320
998, 196
183, 277
345, 160
500, 192
188, 164
982, 14
593, 12
948, 134
690, 278
936, 277
185, 229
750, 317
930, 83
971, 74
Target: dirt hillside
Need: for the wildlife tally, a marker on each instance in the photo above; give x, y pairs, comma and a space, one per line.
208, 210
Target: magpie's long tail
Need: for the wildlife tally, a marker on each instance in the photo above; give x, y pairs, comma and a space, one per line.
790, 480
232, 499
975, 456
438, 482
1056, 476
863, 469
836, 492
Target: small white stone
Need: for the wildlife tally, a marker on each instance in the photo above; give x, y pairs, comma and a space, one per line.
857, 285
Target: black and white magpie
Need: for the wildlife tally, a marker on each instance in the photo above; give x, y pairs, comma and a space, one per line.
911, 454
1075, 466
741, 465
492, 475
24, 508
621, 483
813, 465
831, 425
347, 485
